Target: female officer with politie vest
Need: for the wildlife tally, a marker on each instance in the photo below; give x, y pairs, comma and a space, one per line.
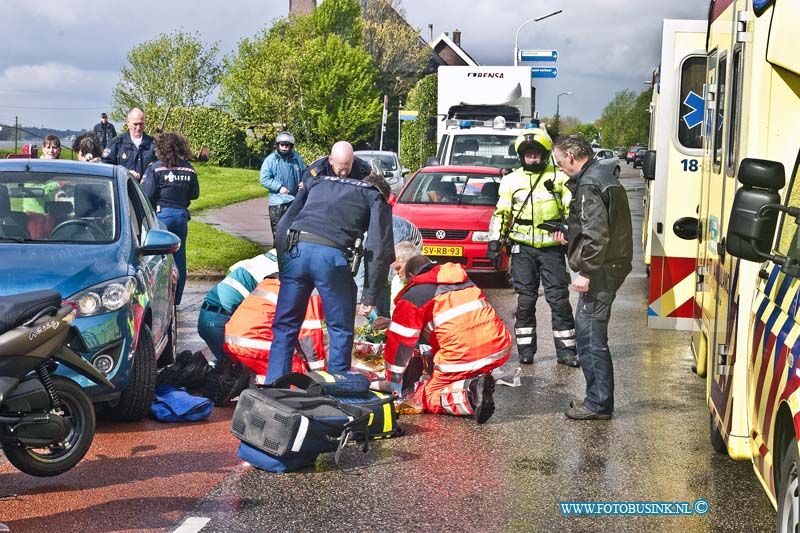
531, 195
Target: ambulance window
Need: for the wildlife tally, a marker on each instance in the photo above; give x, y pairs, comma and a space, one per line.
789, 237
735, 110
693, 75
720, 114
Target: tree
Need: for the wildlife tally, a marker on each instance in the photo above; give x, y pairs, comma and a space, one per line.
416, 147
626, 119
171, 70
396, 49
308, 74
590, 132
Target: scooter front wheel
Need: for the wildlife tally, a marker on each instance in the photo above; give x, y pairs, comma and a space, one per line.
60, 456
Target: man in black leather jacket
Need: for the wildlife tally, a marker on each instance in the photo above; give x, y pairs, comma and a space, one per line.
600, 250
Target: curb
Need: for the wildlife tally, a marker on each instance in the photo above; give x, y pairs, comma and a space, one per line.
207, 275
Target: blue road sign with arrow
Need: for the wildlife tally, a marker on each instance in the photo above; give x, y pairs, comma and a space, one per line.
544, 72
694, 102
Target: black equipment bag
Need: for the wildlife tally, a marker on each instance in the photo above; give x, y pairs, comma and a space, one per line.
349, 388
296, 423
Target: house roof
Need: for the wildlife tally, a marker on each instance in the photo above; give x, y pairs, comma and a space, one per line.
444, 42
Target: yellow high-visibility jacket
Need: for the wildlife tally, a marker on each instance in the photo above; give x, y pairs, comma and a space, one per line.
541, 205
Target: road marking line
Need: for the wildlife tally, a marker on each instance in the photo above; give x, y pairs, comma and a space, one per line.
193, 524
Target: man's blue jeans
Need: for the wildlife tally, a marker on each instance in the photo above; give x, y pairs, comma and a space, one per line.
591, 334
211, 328
305, 267
177, 221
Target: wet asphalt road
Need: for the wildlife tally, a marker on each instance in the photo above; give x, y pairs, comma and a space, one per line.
445, 473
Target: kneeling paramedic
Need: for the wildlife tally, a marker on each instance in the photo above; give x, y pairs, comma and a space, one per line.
248, 334
532, 194
443, 308
316, 241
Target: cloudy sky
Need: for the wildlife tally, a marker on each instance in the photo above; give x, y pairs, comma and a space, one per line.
59, 65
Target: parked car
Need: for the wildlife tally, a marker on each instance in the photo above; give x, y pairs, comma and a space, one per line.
638, 159
601, 154
630, 155
88, 231
452, 207
393, 171
620, 151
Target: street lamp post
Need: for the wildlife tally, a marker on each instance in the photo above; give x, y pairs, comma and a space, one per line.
516, 37
558, 99
557, 120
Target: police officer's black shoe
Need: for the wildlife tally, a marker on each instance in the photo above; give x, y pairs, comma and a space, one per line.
569, 360
480, 392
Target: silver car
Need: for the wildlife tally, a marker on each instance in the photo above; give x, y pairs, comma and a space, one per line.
390, 164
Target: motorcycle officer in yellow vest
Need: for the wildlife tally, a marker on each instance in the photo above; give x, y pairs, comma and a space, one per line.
533, 194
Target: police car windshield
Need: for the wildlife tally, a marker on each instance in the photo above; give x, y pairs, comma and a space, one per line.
488, 150
45, 207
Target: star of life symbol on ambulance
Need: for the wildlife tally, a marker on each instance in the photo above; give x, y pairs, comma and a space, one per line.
440, 234
694, 102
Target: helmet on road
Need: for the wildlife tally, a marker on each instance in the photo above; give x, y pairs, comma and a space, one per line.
534, 139
283, 138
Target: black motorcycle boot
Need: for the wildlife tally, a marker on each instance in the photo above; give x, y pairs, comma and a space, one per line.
480, 392
526, 355
568, 359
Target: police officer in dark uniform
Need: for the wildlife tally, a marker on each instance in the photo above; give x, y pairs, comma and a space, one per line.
171, 184
133, 149
329, 215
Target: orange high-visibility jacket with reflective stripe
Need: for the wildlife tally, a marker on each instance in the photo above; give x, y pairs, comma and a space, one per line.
248, 334
442, 305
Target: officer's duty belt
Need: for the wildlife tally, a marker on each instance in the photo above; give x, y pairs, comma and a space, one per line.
316, 239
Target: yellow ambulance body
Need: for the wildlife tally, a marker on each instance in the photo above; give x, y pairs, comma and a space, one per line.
748, 309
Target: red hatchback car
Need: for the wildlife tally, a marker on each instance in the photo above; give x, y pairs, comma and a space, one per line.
452, 206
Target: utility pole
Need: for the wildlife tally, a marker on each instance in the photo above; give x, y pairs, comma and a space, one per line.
16, 133
400, 106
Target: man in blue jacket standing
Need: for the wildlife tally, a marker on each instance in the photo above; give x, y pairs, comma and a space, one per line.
280, 175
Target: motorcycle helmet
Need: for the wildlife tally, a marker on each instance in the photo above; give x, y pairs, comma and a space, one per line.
534, 139
284, 137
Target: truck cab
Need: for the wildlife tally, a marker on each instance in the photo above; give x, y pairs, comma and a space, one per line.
480, 143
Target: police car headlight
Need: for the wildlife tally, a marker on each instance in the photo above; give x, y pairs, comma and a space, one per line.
480, 236
103, 298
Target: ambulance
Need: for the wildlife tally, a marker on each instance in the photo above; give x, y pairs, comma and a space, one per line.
482, 111
672, 172
747, 299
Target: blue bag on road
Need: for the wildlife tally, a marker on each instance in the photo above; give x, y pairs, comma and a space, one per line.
177, 405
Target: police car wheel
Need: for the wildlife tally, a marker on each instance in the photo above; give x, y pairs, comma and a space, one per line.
787, 518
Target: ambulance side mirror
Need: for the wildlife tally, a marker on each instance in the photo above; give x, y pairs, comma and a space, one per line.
754, 214
649, 165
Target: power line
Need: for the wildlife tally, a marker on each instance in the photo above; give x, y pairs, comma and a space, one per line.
53, 108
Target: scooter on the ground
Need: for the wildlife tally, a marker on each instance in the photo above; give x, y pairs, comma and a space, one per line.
47, 421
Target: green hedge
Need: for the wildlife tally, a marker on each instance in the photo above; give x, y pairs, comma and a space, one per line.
206, 127
415, 148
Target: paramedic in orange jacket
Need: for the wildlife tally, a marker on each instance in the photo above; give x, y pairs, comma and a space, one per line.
446, 310
248, 334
